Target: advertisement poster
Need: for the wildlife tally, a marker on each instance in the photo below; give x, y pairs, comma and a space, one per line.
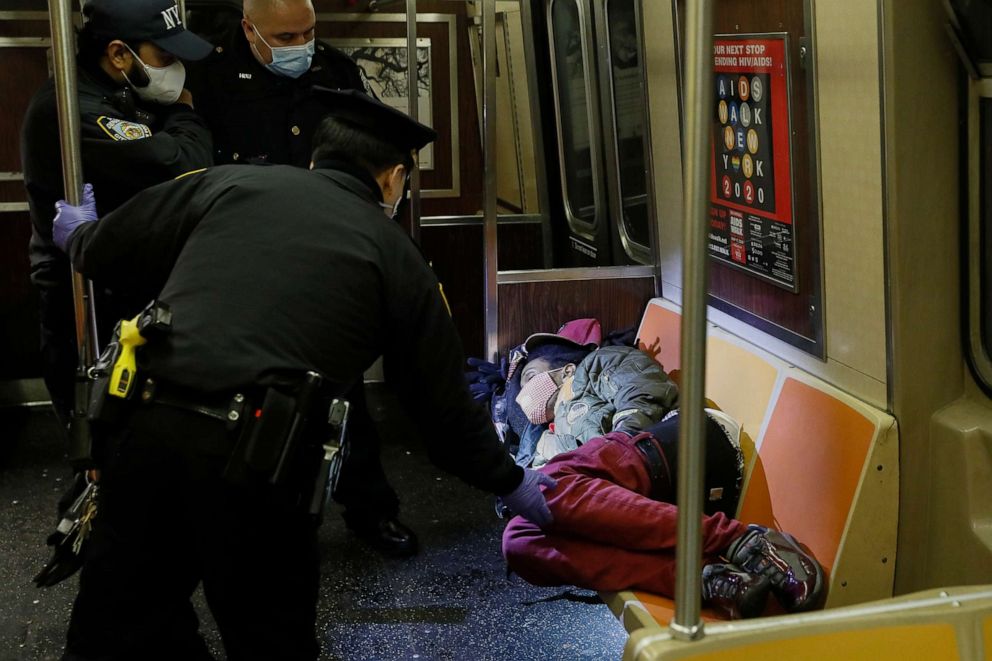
751, 206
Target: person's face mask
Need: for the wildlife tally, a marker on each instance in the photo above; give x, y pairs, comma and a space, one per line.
536, 399
393, 210
165, 84
288, 61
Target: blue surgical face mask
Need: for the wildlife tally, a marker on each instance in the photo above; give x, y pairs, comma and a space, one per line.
289, 61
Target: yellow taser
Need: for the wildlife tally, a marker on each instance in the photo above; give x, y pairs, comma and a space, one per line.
126, 365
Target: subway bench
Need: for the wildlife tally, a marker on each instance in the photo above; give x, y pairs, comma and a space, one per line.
953, 623
819, 464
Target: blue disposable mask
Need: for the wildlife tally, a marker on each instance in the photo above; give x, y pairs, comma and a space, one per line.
288, 61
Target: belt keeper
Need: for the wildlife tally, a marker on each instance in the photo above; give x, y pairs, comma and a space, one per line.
235, 411
148, 391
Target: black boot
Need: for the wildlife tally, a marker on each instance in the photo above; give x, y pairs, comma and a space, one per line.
388, 536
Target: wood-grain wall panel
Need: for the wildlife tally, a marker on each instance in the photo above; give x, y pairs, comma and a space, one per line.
22, 72
533, 307
457, 257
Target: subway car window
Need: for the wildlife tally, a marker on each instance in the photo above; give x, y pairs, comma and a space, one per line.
580, 170
628, 104
970, 29
985, 211
590, 107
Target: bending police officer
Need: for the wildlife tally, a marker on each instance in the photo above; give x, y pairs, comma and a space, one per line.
256, 92
138, 129
342, 284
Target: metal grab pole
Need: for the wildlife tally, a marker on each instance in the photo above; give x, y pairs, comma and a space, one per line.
64, 61
687, 624
413, 109
489, 208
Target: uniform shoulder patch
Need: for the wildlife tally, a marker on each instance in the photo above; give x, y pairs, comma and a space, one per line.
121, 129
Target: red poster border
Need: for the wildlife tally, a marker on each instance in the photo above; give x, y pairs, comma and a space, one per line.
781, 130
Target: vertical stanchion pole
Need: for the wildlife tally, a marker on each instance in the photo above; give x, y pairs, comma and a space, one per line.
489, 210
413, 108
687, 624
64, 61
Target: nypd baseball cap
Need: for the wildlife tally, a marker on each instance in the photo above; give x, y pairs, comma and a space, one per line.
157, 21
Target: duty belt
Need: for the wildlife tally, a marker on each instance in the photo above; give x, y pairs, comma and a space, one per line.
662, 486
228, 408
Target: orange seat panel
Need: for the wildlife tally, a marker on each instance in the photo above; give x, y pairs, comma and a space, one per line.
659, 336
808, 468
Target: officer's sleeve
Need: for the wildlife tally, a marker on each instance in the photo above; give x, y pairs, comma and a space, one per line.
424, 363
140, 241
182, 143
40, 158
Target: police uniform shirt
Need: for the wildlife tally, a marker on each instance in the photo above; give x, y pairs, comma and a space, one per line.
257, 116
127, 146
272, 271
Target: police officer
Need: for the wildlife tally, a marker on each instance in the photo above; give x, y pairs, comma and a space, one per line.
269, 273
256, 93
138, 129
255, 89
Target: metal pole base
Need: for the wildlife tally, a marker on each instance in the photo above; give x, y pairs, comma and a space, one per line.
680, 632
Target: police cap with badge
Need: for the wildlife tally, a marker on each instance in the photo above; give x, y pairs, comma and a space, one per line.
157, 21
376, 118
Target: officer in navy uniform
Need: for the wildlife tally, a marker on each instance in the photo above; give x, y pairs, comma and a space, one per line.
255, 89
138, 129
256, 93
269, 273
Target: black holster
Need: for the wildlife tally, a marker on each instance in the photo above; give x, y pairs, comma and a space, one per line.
272, 444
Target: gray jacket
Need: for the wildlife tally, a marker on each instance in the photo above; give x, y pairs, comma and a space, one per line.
614, 389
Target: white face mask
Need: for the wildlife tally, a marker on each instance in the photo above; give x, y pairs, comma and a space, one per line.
165, 84
394, 210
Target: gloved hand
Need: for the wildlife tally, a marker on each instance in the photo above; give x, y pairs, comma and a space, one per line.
528, 501
486, 380
69, 217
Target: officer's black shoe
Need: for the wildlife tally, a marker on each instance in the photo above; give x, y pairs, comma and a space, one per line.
388, 536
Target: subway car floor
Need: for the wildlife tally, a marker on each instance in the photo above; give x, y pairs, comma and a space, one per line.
452, 601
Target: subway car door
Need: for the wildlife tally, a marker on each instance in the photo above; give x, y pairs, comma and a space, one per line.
593, 118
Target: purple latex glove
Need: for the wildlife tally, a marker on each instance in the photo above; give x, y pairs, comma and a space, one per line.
528, 501
69, 217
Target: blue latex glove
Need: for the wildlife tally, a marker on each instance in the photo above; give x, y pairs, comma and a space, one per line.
528, 501
69, 217
486, 380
